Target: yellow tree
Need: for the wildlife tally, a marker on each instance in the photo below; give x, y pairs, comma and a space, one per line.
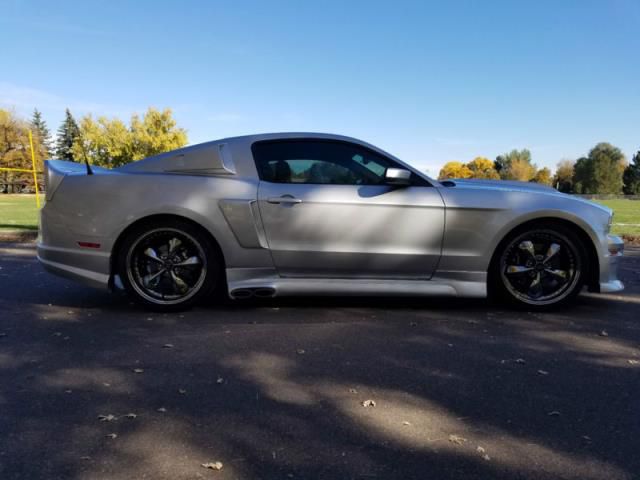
454, 170
15, 151
542, 176
110, 143
482, 167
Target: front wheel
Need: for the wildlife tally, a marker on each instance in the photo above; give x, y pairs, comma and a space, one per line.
168, 265
540, 267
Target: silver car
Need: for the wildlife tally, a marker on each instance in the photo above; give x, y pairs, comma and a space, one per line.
316, 214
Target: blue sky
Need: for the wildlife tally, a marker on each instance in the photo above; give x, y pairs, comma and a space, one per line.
428, 81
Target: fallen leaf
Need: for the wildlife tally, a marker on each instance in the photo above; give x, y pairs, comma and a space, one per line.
138, 370
543, 372
111, 435
458, 440
586, 437
603, 333
369, 403
57, 334
633, 362
68, 391
213, 465
107, 418
149, 319
220, 380
521, 361
406, 423
182, 391
479, 449
486, 457
162, 410
167, 345
554, 413
106, 384
131, 415
300, 351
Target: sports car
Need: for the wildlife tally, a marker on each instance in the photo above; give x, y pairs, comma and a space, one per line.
316, 214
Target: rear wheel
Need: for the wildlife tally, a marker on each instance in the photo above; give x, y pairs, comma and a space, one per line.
168, 265
540, 267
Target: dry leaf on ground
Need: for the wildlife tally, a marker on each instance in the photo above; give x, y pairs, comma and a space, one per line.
458, 440
369, 403
213, 465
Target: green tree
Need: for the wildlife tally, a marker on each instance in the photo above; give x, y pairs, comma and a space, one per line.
482, 167
601, 171
454, 170
563, 178
41, 134
67, 135
515, 165
542, 176
111, 143
631, 176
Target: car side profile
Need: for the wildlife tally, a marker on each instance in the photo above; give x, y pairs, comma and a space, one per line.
316, 214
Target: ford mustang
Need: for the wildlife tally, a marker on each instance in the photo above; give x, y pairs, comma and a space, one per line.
316, 214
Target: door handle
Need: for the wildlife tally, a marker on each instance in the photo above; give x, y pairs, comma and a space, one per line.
284, 199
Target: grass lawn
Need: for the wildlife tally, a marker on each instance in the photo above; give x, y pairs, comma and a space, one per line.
19, 213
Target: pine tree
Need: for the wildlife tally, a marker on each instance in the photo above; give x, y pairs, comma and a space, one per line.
67, 134
41, 132
631, 176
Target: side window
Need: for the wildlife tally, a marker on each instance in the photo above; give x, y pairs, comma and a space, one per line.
319, 162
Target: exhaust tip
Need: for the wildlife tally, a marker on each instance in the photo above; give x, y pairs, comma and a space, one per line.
266, 292
242, 293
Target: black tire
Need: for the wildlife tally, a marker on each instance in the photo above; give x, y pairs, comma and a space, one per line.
169, 265
539, 267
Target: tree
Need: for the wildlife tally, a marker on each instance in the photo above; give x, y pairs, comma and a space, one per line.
601, 171
41, 134
454, 170
482, 167
515, 165
14, 151
631, 176
542, 176
563, 178
111, 143
67, 135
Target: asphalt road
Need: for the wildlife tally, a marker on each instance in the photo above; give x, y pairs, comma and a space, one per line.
275, 389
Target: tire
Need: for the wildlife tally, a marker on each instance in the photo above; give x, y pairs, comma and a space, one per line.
169, 265
539, 267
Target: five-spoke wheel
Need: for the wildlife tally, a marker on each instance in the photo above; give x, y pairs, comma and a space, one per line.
540, 266
168, 265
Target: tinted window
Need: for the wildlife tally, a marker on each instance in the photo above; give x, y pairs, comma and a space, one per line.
320, 162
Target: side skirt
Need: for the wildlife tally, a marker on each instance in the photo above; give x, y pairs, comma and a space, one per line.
265, 282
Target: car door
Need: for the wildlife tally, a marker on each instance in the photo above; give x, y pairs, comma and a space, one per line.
327, 212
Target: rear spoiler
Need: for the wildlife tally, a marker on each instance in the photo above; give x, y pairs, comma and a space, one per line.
56, 170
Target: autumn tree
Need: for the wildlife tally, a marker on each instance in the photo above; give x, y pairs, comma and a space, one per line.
515, 165
454, 170
15, 151
67, 135
482, 167
542, 176
601, 171
111, 143
631, 176
563, 178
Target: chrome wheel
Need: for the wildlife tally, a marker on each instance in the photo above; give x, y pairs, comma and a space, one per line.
166, 266
540, 267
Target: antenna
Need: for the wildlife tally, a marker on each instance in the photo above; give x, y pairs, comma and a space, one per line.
86, 159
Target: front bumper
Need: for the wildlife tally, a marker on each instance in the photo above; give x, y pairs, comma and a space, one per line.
609, 282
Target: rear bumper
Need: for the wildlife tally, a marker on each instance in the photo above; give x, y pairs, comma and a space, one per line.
609, 282
90, 268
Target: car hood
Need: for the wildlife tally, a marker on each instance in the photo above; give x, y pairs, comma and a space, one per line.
504, 185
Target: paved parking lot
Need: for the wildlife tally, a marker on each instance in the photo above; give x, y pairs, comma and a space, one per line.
92, 387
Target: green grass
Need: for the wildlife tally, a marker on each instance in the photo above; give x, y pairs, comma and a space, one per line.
19, 213
626, 211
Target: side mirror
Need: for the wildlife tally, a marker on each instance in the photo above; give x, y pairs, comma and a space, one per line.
397, 176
